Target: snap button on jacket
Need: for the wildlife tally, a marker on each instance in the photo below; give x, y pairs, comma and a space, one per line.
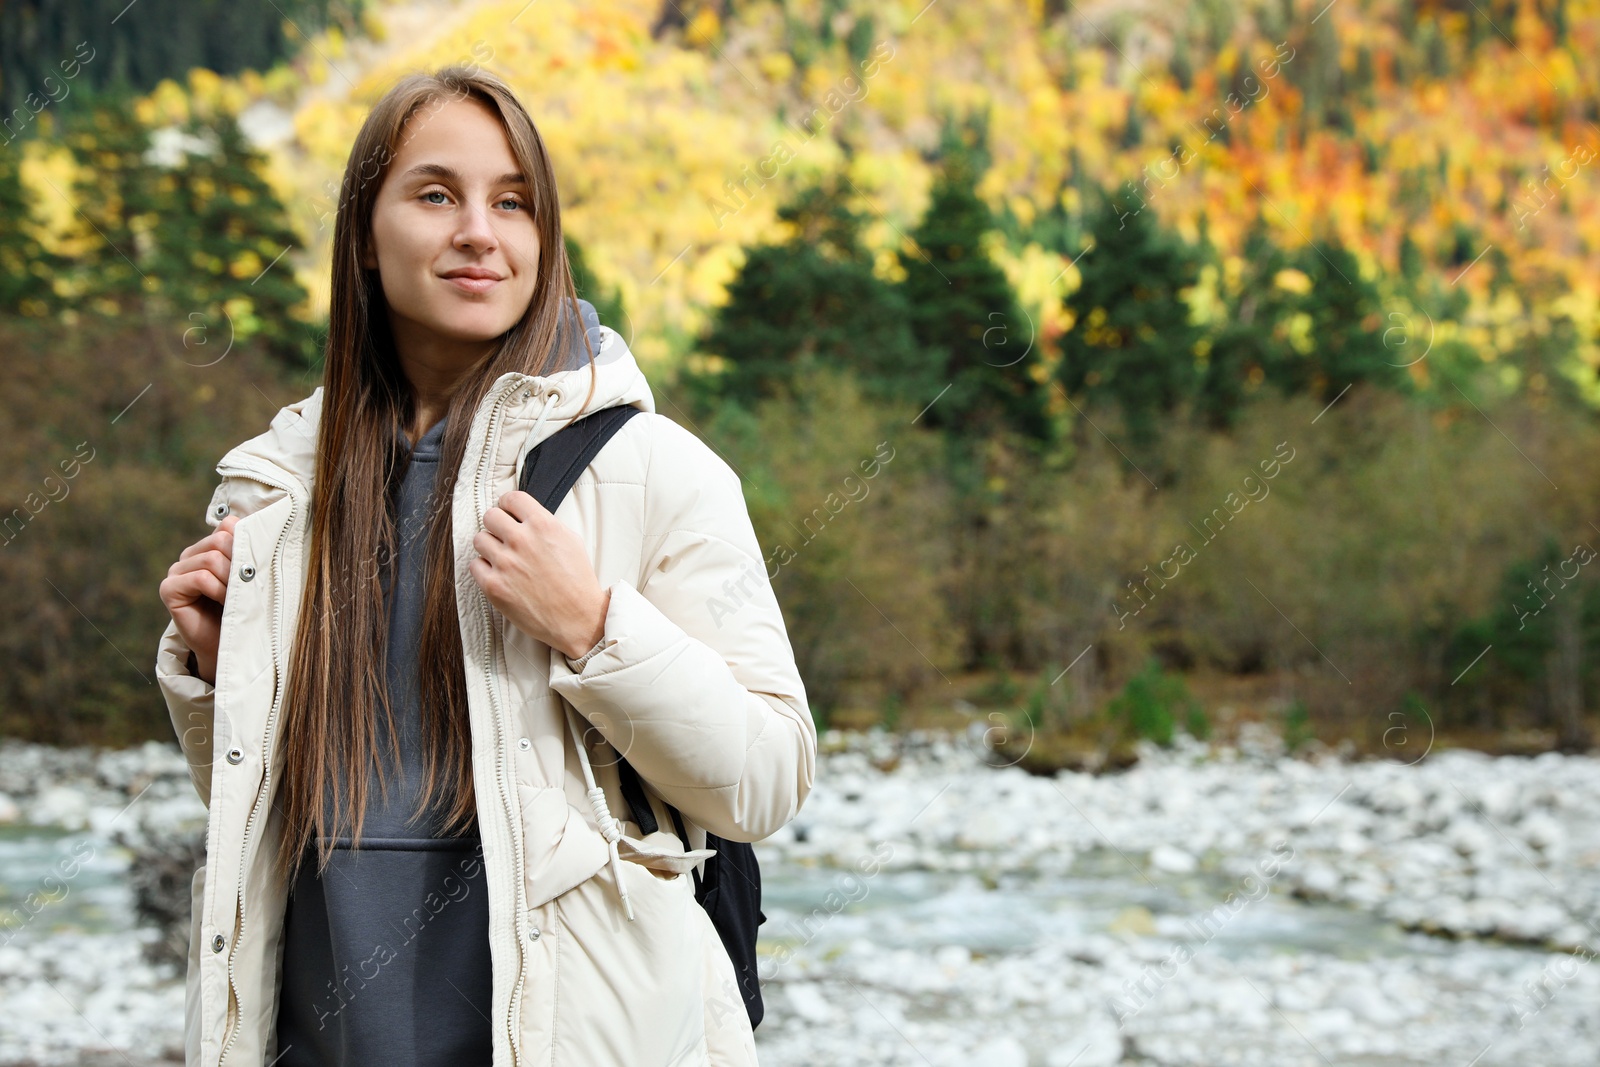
706, 703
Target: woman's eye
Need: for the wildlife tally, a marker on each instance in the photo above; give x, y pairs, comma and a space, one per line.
434, 192
513, 201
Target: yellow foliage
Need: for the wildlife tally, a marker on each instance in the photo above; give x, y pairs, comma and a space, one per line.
778, 67
704, 28
246, 265
1293, 280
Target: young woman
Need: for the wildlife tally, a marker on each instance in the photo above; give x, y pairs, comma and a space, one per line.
378, 604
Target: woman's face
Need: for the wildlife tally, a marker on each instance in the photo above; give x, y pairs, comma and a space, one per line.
453, 238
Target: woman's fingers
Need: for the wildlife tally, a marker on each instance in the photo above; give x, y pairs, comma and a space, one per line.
216, 562
205, 575
502, 523
488, 546
220, 539
521, 506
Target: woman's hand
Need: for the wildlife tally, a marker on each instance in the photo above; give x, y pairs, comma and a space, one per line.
537, 574
194, 591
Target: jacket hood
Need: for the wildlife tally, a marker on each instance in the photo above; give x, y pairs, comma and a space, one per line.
289, 445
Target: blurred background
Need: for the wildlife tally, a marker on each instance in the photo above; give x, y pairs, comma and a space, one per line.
1172, 429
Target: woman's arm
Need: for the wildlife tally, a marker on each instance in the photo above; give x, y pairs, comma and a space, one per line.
695, 682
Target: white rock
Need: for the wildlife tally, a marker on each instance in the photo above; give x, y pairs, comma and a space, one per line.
1172, 860
807, 1001
1096, 1042
1001, 1052
60, 805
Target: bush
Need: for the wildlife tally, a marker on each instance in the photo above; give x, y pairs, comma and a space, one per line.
1150, 703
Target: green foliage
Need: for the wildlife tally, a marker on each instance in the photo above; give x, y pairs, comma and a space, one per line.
1002, 689
1132, 342
1151, 702
25, 267
891, 710
607, 301
1344, 329
1046, 704
204, 242
968, 326
812, 302
223, 252
130, 47
1542, 634
119, 202
1297, 726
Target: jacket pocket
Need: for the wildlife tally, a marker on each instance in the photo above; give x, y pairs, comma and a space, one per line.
560, 848
630, 992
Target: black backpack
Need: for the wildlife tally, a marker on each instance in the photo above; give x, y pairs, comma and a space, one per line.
730, 888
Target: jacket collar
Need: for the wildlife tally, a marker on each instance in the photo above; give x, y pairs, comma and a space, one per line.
287, 450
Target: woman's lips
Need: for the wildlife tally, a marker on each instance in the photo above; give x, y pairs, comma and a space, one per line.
473, 285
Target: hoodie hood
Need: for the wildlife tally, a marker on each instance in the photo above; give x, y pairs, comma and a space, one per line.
288, 448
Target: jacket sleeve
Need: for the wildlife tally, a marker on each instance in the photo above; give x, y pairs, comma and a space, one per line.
189, 704
695, 682
190, 699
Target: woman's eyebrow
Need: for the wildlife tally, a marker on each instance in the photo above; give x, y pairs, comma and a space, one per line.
442, 170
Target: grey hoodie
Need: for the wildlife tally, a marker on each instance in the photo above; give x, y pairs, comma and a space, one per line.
386, 955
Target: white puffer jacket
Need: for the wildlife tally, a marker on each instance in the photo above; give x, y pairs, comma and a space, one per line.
697, 686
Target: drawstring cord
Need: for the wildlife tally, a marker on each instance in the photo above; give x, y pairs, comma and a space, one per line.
609, 827
551, 399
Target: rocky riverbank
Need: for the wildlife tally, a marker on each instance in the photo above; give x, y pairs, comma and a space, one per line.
1212, 905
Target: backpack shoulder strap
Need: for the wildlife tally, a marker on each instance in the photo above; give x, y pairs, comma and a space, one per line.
556, 462
551, 469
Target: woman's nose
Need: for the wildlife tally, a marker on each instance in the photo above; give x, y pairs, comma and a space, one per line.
477, 231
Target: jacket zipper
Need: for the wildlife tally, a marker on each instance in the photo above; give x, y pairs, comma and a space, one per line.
492, 651
255, 473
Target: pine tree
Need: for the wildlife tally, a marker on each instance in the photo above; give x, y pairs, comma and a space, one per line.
118, 203
25, 267
1250, 338
223, 249
1345, 331
975, 339
1131, 342
812, 301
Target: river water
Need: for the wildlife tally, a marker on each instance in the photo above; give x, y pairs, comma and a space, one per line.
1059, 948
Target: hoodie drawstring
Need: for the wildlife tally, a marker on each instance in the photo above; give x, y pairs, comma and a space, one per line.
610, 829
551, 399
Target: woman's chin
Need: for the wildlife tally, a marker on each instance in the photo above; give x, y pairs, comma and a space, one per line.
476, 329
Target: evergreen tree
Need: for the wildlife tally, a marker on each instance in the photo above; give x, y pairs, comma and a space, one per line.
1250, 337
977, 346
810, 301
1345, 329
223, 249
1131, 342
25, 267
192, 234
55, 50
118, 202
1544, 629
